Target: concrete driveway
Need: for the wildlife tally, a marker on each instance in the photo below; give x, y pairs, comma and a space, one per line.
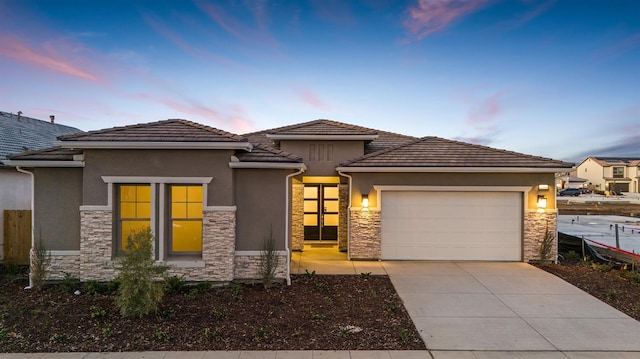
481, 306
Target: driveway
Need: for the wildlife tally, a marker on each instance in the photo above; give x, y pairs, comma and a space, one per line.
496, 306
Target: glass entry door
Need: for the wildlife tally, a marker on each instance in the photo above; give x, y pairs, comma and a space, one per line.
321, 204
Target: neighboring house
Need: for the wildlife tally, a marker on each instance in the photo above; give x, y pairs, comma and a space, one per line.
619, 174
19, 134
566, 180
212, 197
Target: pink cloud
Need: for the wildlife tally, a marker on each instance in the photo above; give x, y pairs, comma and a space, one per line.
482, 116
529, 16
163, 31
47, 58
232, 119
486, 110
309, 97
430, 16
237, 28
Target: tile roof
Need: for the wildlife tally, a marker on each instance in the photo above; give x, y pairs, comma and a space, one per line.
440, 152
327, 127
262, 153
47, 154
173, 130
620, 161
19, 134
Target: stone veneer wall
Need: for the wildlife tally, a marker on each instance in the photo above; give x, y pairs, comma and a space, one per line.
96, 245
343, 212
62, 264
247, 266
535, 227
297, 217
366, 235
218, 249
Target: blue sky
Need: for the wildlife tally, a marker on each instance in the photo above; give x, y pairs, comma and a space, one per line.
558, 79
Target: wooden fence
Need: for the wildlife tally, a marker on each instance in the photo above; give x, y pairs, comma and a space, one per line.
17, 236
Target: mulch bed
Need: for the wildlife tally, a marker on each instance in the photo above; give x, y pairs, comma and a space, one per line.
317, 312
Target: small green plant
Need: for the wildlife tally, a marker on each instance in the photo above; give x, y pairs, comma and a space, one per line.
236, 290
107, 330
634, 277
373, 293
97, 311
298, 332
318, 317
365, 275
612, 294
605, 267
220, 314
161, 335
168, 313
572, 256
69, 283
140, 289
547, 245
3, 334
404, 335
203, 287
261, 332
40, 260
59, 338
309, 274
321, 286
93, 287
175, 284
346, 330
328, 300
390, 306
269, 260
209, 333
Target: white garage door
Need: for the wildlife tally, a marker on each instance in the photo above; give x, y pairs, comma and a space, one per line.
425, 225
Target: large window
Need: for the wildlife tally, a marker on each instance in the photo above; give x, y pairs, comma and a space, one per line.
618, 172
185, 220
134, 211
173, 212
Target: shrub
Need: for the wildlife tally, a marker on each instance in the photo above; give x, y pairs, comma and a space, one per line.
268, 261
140, 287
40, 260
175, 284
69, 283
546, 245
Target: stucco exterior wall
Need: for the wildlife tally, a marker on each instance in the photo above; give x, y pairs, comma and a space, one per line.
15, 194
158, 163
260, 198
592, 171
322, 157
58, 195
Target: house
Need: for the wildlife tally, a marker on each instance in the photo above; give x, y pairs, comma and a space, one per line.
18, 134
619, 174
212, 197
568, 180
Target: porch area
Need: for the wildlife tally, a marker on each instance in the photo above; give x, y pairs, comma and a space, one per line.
326, 259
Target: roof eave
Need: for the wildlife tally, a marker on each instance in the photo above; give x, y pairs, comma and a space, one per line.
43, 163
279, 137
456, 169
127, 145
269, 165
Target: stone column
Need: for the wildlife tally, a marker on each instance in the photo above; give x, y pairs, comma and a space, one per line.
343, 214
96, 245
297, 217
365, 233
536, 225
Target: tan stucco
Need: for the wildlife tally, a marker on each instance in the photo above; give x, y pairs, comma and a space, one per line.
322, 157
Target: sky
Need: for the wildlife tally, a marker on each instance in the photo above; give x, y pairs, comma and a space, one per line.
558, 79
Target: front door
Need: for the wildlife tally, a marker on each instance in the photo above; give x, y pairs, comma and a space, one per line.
321, 212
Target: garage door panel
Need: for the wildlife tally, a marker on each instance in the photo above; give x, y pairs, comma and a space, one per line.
452, 225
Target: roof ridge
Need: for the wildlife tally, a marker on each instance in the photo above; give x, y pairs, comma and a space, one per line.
492, 148
313, 122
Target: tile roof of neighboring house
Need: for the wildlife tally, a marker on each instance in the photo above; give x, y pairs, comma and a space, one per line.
47, 154
328, 127
262, 153
620, 161
19, 134
440, 152
174, 130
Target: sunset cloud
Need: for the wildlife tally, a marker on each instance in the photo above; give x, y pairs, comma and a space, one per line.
44, 58
309, 97
232, 118
431, 16
237, 28
482, 117
529, 16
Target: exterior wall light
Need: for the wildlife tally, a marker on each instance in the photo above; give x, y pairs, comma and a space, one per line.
543, 187
365, 201
542, 202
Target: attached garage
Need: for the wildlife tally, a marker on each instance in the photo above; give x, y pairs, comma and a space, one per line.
451, 225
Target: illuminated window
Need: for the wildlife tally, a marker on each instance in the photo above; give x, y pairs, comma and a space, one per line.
185, 214
134, 212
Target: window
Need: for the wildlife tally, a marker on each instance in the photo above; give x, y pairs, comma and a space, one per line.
618, 172
134, 212
185, 217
